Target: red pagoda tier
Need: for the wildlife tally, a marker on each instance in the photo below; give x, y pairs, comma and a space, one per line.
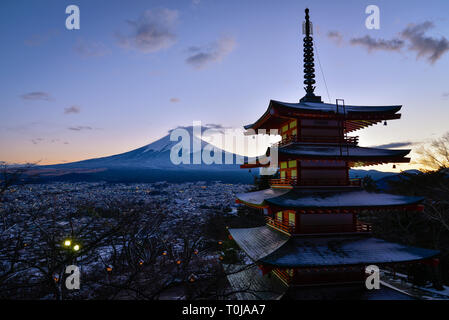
313, 235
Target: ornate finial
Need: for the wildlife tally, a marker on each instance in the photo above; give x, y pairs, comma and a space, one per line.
309, 70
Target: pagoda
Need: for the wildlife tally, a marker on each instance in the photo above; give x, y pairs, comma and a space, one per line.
312, 237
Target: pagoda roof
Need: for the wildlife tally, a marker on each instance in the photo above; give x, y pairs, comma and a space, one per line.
257, 198
258, 242
249, 284
343, 152
329, 107
356, 117
327, 197
269, 247
355, 155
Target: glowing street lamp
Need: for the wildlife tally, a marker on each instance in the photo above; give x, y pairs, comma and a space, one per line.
76, 247
67, 243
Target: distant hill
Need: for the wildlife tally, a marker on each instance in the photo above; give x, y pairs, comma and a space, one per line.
383, 184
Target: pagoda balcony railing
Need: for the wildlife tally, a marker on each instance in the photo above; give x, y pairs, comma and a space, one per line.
291, 229
324, 139
280, 225
363, 227
315, 182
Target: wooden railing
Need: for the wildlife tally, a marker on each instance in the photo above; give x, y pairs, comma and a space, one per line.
280, 225
315, 182
325, 139
291, 229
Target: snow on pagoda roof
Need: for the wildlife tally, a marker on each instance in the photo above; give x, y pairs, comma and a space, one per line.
268, 246
329, 107
257, 198
258, 242
317, 198
331, 197
275, 115
249, 284
343, 250
333, 151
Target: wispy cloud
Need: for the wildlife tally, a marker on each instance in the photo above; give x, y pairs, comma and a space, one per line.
37, 95
174, 100
413, 38
372, 44
425, 46
80, 128
37, 140
445, 95
396, 144
335, 36
86, 48
72, 109
153, 31
203, 56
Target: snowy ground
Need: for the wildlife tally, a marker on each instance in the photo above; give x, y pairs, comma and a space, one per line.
400, 283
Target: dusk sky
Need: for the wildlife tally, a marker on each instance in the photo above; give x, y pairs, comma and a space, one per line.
136, 69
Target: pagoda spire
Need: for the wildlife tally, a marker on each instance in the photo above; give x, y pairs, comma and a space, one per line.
309, 70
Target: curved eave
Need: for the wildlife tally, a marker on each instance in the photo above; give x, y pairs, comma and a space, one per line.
256, 199
337, 198
258, 242
269, 247
352, 153
252, 205
359, 160
306, 252
357, 117
352, 162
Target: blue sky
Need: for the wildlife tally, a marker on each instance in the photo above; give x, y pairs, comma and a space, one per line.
137, 69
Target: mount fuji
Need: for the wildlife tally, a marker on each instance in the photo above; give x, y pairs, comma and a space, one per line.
149, 163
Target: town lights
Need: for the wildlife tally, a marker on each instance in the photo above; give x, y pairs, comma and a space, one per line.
76, 247
164, 253
67, 243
